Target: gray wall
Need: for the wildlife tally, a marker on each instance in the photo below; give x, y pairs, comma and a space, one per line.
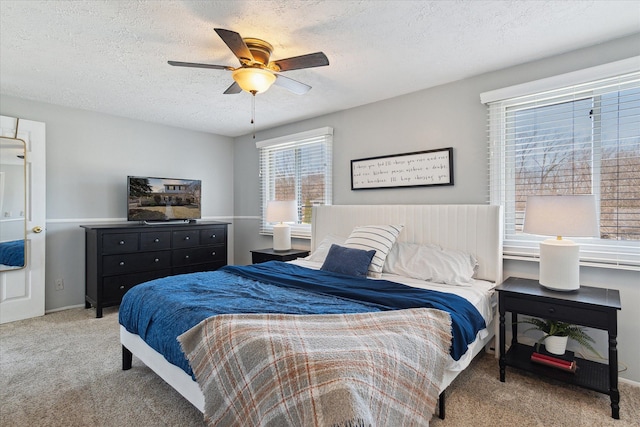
89, 156
448, 115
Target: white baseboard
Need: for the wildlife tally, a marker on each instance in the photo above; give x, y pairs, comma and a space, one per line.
53, 310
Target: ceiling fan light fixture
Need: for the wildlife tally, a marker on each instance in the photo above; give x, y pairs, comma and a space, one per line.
254, 80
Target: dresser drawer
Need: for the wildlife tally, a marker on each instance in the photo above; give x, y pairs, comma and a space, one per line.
200, 255
120, 243
155, 241
115, 287
556, 310
213, 236
129, 263
186, 238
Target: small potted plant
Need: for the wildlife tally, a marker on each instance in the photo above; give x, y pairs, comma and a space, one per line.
556, 335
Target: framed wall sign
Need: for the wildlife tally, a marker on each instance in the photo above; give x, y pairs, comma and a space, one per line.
418, 169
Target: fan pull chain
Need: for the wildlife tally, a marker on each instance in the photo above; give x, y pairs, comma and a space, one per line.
253, 112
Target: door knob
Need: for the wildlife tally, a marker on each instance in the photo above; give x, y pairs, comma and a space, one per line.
37, 229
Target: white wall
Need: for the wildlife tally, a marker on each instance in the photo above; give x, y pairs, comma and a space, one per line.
89, 156
446, 116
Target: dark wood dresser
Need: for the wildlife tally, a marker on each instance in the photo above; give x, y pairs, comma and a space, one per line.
120, 256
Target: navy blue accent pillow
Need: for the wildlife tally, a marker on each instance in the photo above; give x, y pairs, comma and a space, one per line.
349, 261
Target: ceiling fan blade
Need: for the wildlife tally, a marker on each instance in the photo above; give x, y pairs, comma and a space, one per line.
310, 60
233, 89
292, 85
235, 43
195, 65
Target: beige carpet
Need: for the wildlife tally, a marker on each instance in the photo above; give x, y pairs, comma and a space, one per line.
64, 369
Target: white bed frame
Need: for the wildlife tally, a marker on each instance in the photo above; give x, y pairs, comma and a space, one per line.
475, 229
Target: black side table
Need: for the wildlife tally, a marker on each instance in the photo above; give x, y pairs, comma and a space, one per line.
588, 306
264, 255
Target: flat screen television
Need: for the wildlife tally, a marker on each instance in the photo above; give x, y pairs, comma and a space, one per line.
163, 199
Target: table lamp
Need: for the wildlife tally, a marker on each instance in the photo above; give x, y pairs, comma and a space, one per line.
281, 211
573, 216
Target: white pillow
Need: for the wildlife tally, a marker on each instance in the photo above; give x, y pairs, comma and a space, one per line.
378, 237
432, 263
407, 259
322, 249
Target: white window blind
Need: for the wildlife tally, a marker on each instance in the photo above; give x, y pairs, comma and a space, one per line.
579, 139
296, 167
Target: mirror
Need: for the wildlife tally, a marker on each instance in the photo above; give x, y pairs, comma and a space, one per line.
12, 203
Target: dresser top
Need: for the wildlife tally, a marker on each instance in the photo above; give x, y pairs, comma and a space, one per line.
137, 225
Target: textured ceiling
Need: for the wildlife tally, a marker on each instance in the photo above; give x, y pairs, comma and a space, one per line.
111, 56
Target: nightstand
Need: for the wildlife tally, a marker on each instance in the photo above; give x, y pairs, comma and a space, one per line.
264, 255
591, 307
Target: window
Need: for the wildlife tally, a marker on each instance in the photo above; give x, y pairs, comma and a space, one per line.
578, 139
296, 167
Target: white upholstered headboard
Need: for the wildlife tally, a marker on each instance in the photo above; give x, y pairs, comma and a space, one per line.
475, 229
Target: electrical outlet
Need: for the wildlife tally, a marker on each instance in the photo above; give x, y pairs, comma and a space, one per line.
59, 284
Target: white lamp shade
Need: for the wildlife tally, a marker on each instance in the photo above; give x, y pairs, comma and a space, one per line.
574, 216
282, 211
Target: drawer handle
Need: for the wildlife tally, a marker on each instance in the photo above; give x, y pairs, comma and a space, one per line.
156, 260
156, 240
121, 242
186, 257
213, 253
121, 286
213, 236
121, 262
186, 238
552, 310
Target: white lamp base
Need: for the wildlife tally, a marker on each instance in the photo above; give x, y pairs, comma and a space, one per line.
281, 237
560, 265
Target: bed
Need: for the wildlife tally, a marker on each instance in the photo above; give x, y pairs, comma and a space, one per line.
455, 230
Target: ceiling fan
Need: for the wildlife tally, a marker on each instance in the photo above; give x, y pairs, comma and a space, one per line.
256, 72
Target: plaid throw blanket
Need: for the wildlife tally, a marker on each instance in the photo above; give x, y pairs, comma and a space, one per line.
365, 369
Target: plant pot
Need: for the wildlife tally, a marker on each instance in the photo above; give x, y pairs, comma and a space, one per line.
556, 345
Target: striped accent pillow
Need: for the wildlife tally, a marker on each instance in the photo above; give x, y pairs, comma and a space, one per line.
378, 237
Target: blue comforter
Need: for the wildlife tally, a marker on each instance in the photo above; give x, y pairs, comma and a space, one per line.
162, 309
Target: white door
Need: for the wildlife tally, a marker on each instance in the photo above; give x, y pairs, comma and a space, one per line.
22, 289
